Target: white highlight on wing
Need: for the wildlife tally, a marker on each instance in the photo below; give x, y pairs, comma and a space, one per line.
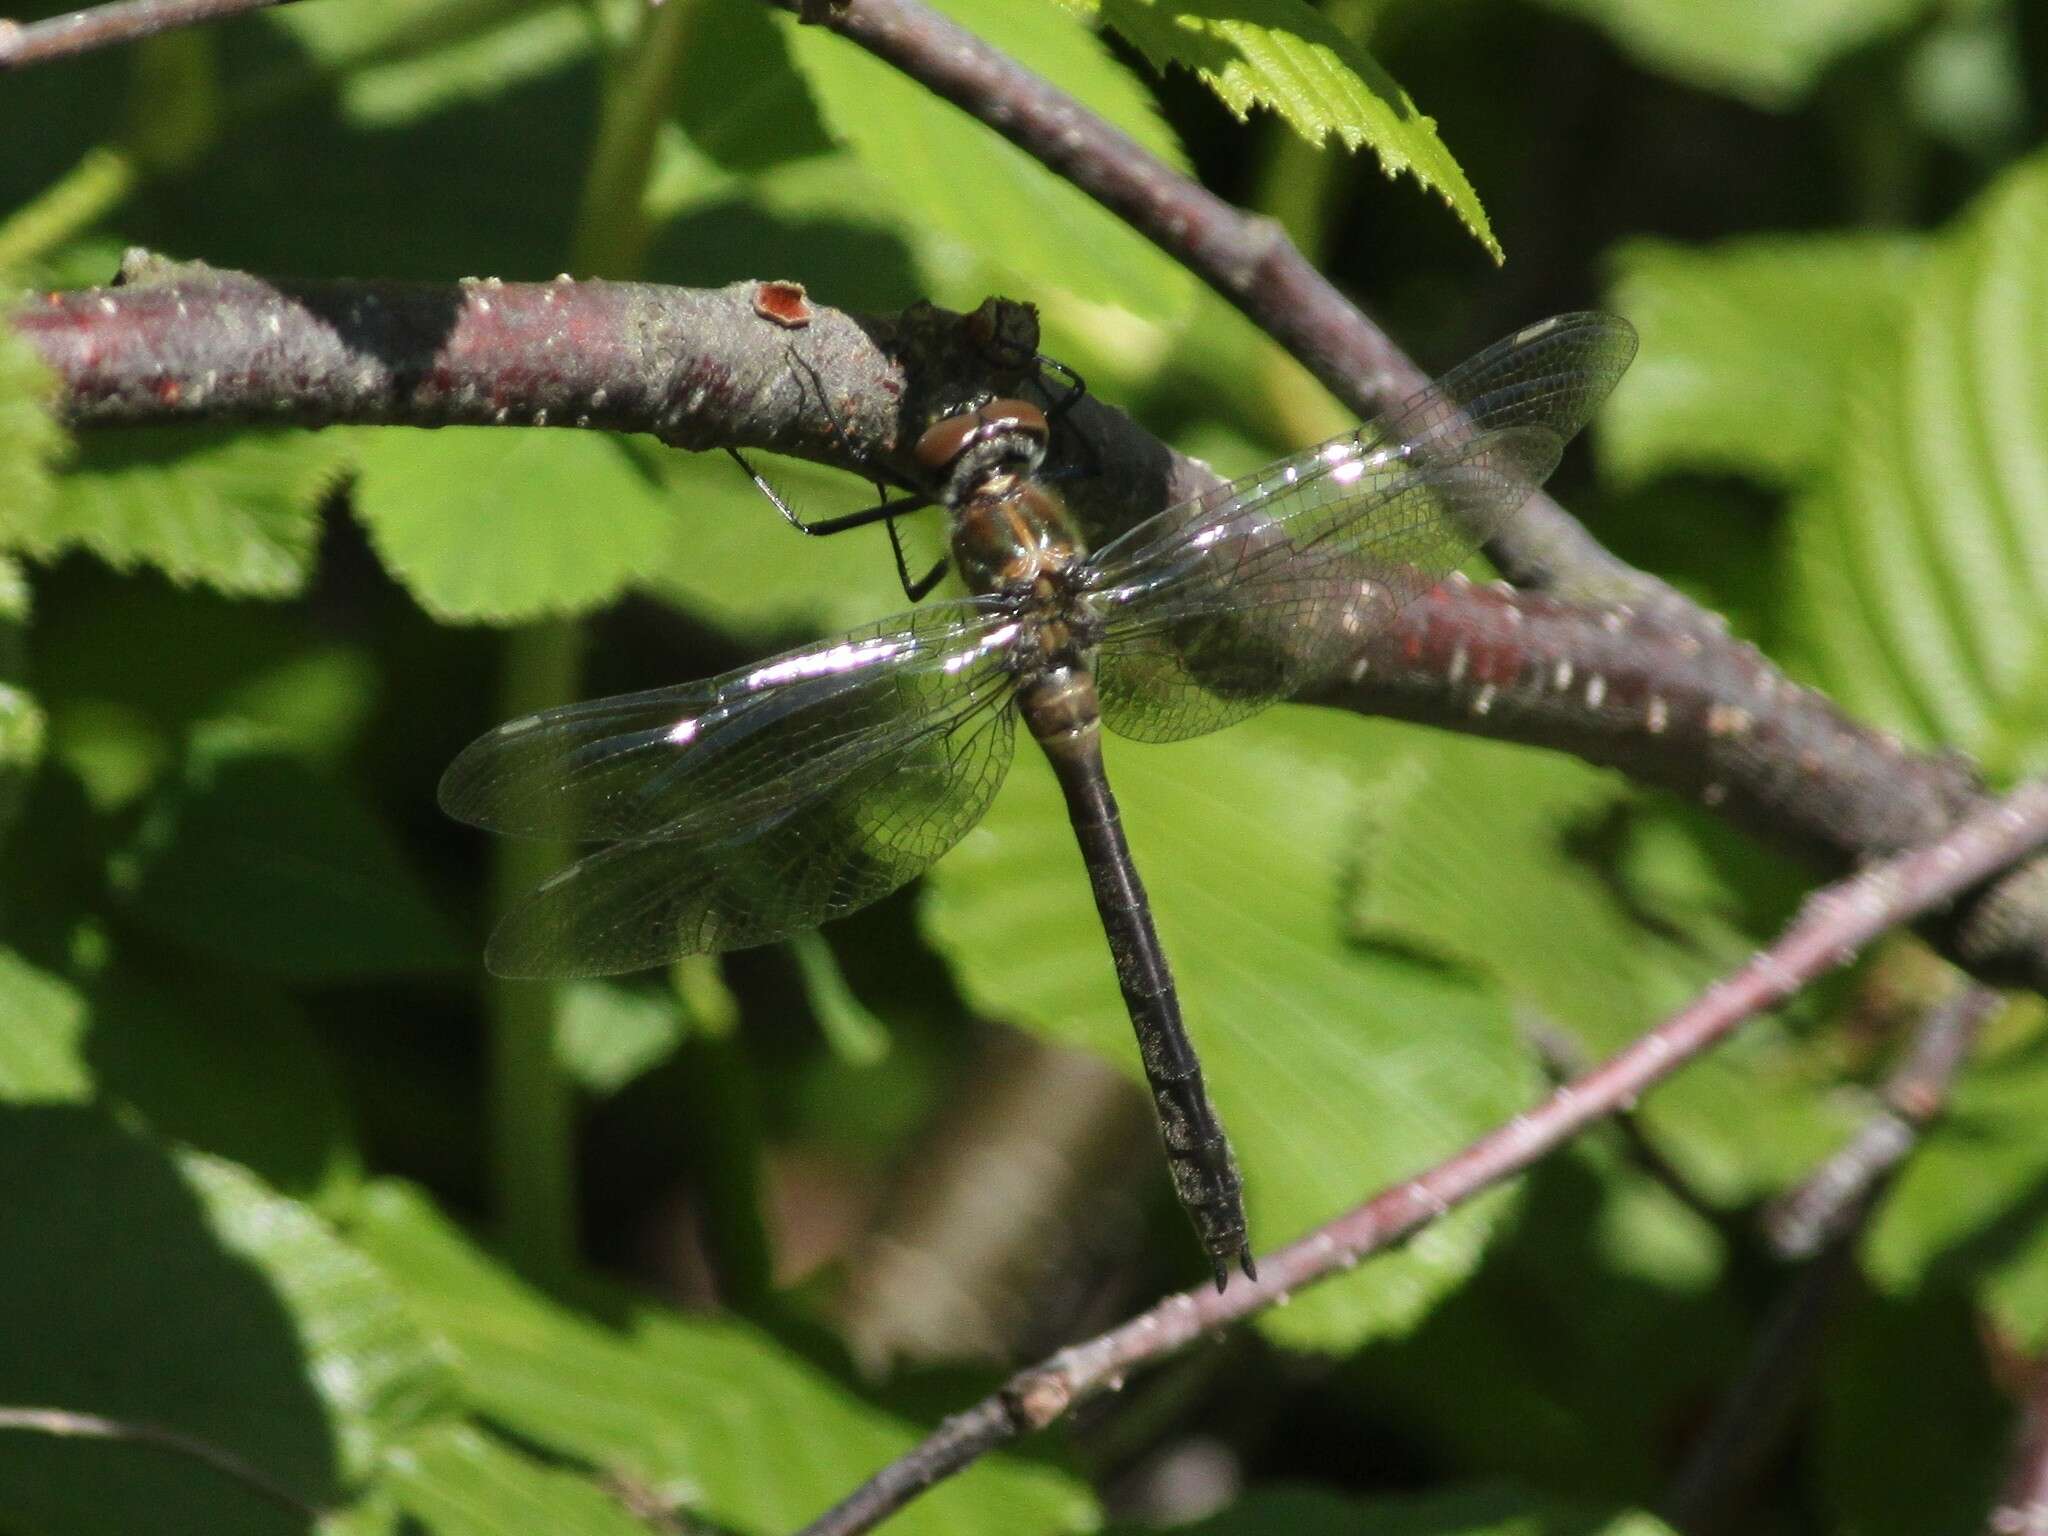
839, 658
681, 732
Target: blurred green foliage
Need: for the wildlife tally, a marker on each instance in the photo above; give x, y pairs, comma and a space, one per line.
275, 1149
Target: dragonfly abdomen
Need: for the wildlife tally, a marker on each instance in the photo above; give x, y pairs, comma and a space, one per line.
1061, 708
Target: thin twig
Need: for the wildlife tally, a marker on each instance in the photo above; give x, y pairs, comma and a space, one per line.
1829, 1201
1247, 259
1821, 1221
1750, 1423
2022, 1507
65, 1424
1833, 924
63, 37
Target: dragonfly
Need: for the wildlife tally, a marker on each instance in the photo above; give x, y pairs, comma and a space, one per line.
747, 807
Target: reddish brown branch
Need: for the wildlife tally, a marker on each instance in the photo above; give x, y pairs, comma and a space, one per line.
62, 37
1831, 927
1671, 705
1705, 716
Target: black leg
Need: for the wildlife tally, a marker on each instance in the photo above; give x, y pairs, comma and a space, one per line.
914, 590
824, 527
1076, 388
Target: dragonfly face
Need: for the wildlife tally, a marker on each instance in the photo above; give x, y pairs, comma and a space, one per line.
741, 809
1011, 534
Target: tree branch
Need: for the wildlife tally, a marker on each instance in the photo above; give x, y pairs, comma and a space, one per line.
1247, 259
1831, 1202
1820, 1221
63, 37
758, 365
1831, 927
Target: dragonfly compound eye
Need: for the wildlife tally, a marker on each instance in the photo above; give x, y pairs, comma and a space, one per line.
944, 443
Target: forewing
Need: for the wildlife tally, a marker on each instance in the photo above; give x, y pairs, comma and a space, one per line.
1270, 595
837, 844
1552, 375
703, 760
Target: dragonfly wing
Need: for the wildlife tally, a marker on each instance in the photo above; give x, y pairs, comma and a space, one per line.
1267, 596
698, 761
823, 850
1553, 375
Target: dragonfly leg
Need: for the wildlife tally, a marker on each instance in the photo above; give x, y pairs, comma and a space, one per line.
914, 590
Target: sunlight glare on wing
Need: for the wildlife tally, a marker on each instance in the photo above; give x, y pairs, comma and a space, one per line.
839, 658
681, 732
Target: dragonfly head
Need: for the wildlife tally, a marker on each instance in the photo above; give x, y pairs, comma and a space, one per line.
969, 451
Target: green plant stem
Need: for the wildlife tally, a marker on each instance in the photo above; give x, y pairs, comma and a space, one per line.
612, 228
533, 1100
533, 1104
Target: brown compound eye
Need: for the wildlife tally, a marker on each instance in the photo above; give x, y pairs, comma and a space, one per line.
945, 440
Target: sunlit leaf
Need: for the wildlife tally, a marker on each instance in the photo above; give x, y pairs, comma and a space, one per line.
1337, 1070
1767, 52
1290, 58
956, 176
42, 1047
30, 442
488, 524
1750, 350
457, 1481
1598, 916
1920, 569
1959, 1216
681, 1406
607, 1034
233, 510
397, 60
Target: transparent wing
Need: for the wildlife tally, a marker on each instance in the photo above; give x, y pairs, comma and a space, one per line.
752, 806
697, 761
1220, 606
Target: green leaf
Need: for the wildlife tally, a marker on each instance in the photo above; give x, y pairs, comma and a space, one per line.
459, 1482
177, 1291
607, 1034
23, 725
42, 1047
1750, 350
1019, 221
494, 525
398, 60
230, 1067
1600, 916
30, 441
1482, 1511
1292, 59
254, 859
1962, 1215
1337, 1071
738, 94
683, 1406
733, 562
1920, 567
1769, 53
234, 510
1909, 1429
